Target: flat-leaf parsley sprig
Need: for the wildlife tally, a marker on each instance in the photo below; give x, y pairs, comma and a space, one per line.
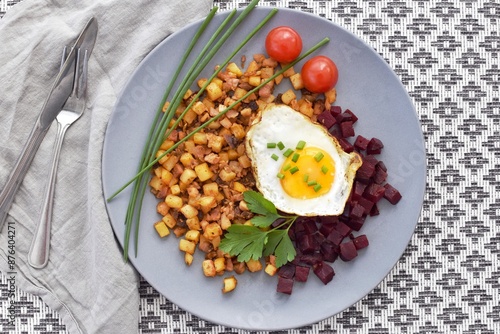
254, 241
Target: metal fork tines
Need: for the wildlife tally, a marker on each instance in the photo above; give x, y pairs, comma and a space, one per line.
72, 110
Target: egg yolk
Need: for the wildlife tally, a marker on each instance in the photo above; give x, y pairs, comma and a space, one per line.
307, 173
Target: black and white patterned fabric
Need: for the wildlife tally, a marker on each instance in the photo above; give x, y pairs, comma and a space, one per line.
446, 53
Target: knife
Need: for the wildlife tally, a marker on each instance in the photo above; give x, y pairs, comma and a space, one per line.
58, 95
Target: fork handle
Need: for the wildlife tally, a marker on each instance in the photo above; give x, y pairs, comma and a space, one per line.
38, 255
22, 165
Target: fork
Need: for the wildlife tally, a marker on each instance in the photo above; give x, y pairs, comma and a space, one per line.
38, 255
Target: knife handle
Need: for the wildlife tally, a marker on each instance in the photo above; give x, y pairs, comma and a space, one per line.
17, 175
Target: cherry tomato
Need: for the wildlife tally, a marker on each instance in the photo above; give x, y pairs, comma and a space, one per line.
283, 44
319, 74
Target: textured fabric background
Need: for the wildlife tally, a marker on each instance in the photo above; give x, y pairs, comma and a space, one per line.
448, 280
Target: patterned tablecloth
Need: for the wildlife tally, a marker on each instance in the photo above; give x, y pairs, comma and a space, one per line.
446, 53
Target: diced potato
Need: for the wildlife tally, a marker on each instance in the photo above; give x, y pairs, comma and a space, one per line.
188, 94
239, 93
167, 143
225, 223
156, 183
233, 68
226, 123
239, 187
201, 82
254, 265
179, 231
199, 108
238, 131
227, 176
331, 96
254, 80
193, 223
170, 162
162, 208
207, 203
200, 138
215, 142
270, 270
175, 202
266, 72
288, 96
218, 82
220, 264
288, 73
175, 189
208, 268
189, 211
211, 189
212, 231
169, 220
189, 117
166, 176
203, 172
187, 246
306, 108
296, 81
245, 161
193, 235
229, 284
163, 158
186, 159
214, 92
188, 176
188, 258
278, 79
162, 229
243, 206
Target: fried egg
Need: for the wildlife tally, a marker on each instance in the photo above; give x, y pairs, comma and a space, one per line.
298, 165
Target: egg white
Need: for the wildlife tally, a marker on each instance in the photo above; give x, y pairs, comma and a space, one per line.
282, 123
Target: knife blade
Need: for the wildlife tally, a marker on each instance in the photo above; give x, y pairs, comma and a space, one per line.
58, 95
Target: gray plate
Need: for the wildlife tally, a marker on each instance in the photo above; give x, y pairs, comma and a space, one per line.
368, 87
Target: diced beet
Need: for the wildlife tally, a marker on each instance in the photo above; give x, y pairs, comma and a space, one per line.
348, 251
344, 117
326, 228
380, 175
310, 226
367, 204
357, 211
329, 219
335, 237
311, 259
374, 146
382, 166
365, 172
346, 146
361, 143
335, 131
361, 241
391, 194
353, 117
355, 223
374, 211
370, 159
335, 110
327, 119
285, 285
301, 273
343, 229
347, 129
306, 244
287, 271
357, 190
329, 251
324, 272
374, 192
318, 239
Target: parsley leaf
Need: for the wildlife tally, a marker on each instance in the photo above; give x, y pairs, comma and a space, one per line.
247, 242
258, 204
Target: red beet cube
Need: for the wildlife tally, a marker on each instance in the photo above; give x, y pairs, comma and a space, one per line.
335, 131
348, 251
326, 228
346, 146
311, 259
287, 271
382, 166
360, 241
374, 211
344, 117
367, 205
329, 251
357, 190
306, 244
285, 285
374, 192
324, 272
357, 211
361, 143
301, 273
374, 146
355, 223
335, 110
365, 172
327, 119
343, 229
391, 194
380, 175
352, 116
347, 129
335, 237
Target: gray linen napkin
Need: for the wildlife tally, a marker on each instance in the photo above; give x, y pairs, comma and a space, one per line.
86, 280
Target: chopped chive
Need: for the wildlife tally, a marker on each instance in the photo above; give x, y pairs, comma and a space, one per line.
274, 157
312, 183
300, 145
286, 167
305, 177
271, 145
288, 152
281, 146
294, 170
295, 157
324, 169
318, 156
317, 187
280, 176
